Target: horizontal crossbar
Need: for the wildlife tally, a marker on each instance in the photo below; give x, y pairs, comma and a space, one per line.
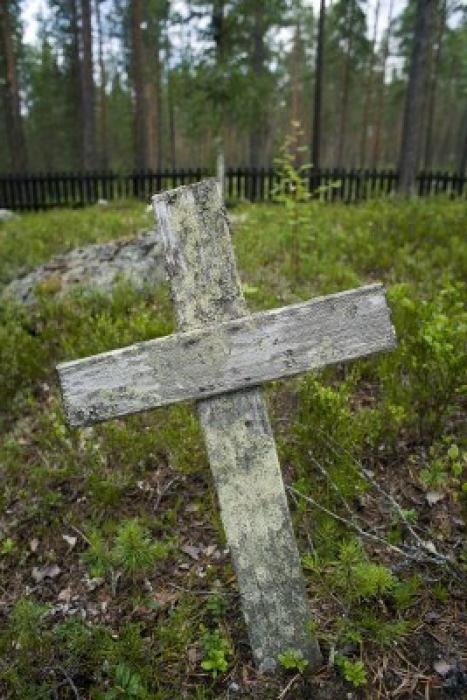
228, 356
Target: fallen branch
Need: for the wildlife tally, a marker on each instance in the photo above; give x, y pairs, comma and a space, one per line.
289, 685
410, 553
369, 478
335, 488
353, 524
432, 555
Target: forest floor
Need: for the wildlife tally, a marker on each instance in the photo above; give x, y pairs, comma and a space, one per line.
115, 579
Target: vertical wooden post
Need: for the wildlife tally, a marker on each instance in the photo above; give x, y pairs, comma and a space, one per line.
241, 448
220, 170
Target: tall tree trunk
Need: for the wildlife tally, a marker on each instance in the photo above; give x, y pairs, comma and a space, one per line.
141, 112
463, 147
369, 89
103, 117
316, 137
341, 136
218, 30
89, 121
11, 97
296, 89
75, 87
150, 89
296, 82
257, 132
170, 105
410, 146
171, 115
433, 84
158, 106
375, 159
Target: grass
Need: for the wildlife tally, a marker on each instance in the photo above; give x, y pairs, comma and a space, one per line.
115, 578
34, 239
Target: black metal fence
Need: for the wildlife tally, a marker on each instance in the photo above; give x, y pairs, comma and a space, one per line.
46, 190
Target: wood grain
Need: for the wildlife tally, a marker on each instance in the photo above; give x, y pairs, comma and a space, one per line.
242, 453
227, 356
222, 349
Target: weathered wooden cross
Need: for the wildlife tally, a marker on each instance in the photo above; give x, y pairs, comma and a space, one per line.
219, 358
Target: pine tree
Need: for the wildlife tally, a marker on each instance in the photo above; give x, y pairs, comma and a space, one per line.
142, 134
260, 18
103, 112
368, 99
10, 85
349, 30
381, 91
318, 93
411, 135
88, 90
49, 145
436, 53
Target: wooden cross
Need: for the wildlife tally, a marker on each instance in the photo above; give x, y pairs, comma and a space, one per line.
219, 359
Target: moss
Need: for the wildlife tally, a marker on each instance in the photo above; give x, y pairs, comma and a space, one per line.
397, 415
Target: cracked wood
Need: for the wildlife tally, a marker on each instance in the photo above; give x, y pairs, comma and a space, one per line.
241, 448
220, 343
227, 356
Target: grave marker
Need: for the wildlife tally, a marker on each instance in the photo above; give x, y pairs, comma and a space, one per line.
219, 358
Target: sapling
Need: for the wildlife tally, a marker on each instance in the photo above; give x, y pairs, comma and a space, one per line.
292, 191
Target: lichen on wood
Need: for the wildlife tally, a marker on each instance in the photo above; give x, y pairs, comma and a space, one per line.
227, 356
243, 457
222, 347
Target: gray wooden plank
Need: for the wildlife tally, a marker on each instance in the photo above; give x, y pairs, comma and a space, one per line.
227, 356
242, 453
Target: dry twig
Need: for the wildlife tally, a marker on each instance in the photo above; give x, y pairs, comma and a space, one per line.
408, 553
292, 681
429, 553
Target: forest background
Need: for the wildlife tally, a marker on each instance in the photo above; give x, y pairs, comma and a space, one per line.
99, 84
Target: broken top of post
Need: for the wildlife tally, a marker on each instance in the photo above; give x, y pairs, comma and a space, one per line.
222, 349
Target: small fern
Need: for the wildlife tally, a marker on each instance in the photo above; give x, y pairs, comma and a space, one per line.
381, 632
26, 622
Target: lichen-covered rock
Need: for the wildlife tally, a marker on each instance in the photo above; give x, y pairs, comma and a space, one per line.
7, 215
98, 266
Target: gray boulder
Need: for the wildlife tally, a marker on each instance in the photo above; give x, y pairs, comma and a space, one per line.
7, 215
139, 260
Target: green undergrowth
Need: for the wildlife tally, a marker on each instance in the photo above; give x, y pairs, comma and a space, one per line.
147, 619
34, 238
